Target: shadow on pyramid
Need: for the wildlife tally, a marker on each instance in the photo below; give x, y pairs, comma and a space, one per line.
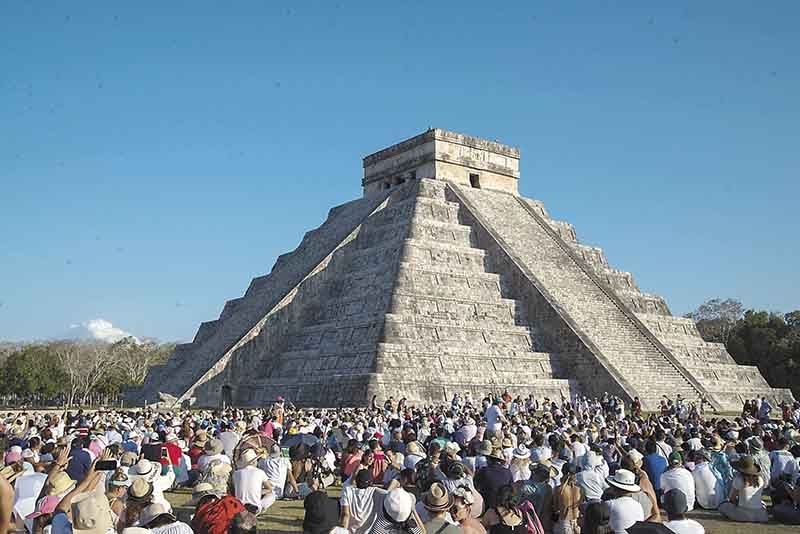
442, 279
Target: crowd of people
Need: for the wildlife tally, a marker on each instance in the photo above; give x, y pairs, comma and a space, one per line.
496, 463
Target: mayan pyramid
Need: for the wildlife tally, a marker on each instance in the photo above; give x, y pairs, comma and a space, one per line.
442, 279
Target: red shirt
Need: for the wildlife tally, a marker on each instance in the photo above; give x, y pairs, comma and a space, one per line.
175, 454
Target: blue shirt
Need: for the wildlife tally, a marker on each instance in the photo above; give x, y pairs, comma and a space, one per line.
79, 463
654, 464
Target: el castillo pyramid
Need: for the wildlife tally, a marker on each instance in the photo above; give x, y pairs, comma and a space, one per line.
442, 279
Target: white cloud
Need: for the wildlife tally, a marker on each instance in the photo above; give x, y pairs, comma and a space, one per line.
100, 330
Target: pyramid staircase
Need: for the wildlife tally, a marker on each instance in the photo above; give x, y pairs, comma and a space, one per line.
417, 300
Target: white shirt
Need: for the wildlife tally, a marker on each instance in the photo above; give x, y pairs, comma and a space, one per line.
709, 490
364, 506
749, 496
493, 422
783, 463
679, 478
276, 470
229, 441
685, 526
178, 527
248, 484
592, 484
623, 513
662, 449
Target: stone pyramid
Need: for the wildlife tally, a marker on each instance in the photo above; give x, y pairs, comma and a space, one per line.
442, 279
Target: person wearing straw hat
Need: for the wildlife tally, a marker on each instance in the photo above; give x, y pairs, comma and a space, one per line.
437, 502
116, 490
397, 515
151, 471
520, 463
84, 510
623, 509
492, 477
252, 485
159, 520
744, 501
213, 450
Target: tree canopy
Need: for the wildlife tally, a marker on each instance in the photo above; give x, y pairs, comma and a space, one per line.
72, 371
768, 340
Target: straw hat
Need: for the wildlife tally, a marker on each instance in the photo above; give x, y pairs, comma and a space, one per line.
91, 514
143, 468
202, 490
398, 505
485, 448
214, 446
60, 483
624, 480
746, 465
248, 457
522, 452
10, 473
140, 490
200, 439
437, 498
154, 511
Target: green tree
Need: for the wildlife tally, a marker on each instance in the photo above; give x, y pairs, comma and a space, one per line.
771, 342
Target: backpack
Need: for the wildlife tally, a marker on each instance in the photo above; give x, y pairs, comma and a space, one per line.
532, 523
215, 517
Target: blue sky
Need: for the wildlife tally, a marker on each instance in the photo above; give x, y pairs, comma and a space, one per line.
154, 158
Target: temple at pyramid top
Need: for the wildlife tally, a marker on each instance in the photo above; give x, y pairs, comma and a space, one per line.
443, 155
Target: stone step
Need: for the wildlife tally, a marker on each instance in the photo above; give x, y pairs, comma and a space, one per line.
541, 363
420, 208
498, 310
331, 336
640, 302
431, 253
426, 230
618, 280
399, 330
702, 352
669, 325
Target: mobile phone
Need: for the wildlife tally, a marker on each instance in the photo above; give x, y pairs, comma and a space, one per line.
106, 465
163, 452
152, 452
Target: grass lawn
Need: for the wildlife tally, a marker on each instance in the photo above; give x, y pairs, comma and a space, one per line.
287, 517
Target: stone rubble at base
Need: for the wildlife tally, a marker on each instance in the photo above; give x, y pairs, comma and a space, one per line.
441, 280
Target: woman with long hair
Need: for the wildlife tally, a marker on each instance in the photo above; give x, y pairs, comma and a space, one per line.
744, 501
505, 517
567, 502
